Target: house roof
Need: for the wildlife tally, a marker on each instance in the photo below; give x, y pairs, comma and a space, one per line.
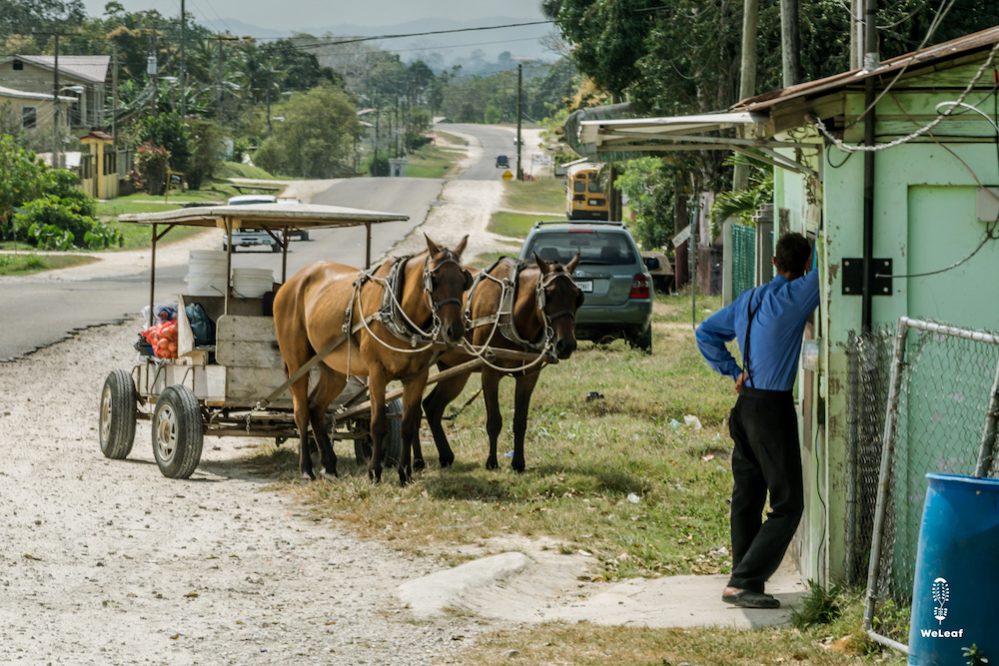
983, 40
21, 94
91, 68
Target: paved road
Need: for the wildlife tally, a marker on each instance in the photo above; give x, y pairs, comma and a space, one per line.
493, 141
36, 312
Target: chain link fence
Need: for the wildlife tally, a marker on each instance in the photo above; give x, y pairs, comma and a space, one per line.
922, 399
743, 258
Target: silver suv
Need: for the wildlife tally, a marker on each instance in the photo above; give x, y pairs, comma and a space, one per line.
616, 284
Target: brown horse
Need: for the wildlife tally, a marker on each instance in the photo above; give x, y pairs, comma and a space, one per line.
388, 320
527, 308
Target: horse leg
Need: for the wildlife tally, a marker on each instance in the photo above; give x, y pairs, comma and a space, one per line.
411, 415
329, 387
521, 407
379, 426
433, 407
494, 420
300, 400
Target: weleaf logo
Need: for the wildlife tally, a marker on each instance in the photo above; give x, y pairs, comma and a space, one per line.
941, 595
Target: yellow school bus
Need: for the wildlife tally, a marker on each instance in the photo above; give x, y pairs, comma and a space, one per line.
585, 198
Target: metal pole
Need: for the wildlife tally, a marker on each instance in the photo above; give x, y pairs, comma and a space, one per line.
55, 107
870, 61
183, 65
367, 244
284, 254
114, 104
152, 277
887, 447
520, 86
987, 450
692, 259
228, 262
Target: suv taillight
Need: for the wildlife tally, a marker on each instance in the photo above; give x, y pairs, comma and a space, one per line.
639, 286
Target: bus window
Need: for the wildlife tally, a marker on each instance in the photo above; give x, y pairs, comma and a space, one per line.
596, 187
579, 186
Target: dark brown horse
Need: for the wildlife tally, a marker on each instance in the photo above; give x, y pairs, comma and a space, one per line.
388, 320
525, 308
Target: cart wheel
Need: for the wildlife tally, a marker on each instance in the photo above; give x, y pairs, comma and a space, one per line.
393, 439
117, 417
177, 433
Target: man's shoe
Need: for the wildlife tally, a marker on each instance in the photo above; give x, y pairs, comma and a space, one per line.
750, 599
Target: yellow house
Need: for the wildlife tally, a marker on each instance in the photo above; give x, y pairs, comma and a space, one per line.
32, 112
98, 167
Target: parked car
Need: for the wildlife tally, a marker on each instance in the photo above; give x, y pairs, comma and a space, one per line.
246, 199
617, 286
253, 238
660, 269
502, 162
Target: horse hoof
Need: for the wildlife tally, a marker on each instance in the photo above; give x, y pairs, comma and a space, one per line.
492, 464
519, 469
327, 475
447, 462
419, 464
307, 477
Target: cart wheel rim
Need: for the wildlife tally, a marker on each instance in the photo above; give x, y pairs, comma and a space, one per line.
166, 433
106, 415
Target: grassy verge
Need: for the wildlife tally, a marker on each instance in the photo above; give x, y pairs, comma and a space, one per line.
448, 139
515, 225
835, 644
588, 463
430, 162
239, 170
544, 194
26, 264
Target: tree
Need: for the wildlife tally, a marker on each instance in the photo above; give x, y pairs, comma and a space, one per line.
167, 130
648, 185
316, 139
22, 177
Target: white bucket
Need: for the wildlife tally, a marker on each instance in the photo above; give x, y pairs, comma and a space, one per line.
206, 273
252, 282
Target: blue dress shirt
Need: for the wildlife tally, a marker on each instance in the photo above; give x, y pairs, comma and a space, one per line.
784, 306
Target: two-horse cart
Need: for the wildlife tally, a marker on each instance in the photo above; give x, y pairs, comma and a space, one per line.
218, 389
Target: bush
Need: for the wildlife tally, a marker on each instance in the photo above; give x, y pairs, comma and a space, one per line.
151, 163
207, 138
54, 223
169, 131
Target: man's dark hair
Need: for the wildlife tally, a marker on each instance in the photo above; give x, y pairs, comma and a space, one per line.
792, 254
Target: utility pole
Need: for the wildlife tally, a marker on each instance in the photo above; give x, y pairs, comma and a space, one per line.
520, 87
183, 64
790, 42
114, 101
747, 76
870, 63
56, 134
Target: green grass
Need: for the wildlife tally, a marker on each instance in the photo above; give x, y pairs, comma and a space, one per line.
28, 263
677, 309
544, 194
839, 643
139, 236
584, 458
487, 259
239, 170
514, 225
430, 162
448, 139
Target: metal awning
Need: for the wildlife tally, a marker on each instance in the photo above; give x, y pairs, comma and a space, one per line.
694, 132
266, 216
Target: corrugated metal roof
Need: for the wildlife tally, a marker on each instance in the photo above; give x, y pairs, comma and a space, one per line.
911, 62
93, 68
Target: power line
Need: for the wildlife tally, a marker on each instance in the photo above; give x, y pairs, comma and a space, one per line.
355, 40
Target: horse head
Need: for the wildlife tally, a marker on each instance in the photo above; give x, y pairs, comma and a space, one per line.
558, 299
445, 280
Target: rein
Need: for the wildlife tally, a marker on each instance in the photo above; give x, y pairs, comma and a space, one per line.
503, 319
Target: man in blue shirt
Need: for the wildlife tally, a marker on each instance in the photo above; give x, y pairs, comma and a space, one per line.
768, 322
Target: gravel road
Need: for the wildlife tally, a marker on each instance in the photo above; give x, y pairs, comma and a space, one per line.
109, 562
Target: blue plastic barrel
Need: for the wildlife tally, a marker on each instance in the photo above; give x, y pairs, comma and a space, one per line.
955, 594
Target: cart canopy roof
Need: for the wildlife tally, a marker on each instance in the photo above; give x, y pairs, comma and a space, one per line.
265, 216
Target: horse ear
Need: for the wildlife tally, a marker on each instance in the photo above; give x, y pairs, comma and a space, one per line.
461, 246
431, 246
571, 266
542, 264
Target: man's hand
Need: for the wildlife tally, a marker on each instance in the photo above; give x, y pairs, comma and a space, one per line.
740, 382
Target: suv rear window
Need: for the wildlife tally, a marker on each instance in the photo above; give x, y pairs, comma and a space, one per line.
594, 246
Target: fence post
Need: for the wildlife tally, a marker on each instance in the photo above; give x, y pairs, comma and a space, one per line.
987, 450
887, 444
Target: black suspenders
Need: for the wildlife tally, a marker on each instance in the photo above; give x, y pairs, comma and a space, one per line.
751, 314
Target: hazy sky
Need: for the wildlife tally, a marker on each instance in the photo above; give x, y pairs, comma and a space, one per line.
305, 14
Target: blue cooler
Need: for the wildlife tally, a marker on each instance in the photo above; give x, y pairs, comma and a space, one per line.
955, 595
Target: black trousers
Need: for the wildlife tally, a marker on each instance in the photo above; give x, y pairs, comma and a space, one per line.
766, 458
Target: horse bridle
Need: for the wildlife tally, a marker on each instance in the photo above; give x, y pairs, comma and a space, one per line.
543, 300
428, 282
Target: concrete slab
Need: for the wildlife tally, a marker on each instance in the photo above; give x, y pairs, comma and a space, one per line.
536, 582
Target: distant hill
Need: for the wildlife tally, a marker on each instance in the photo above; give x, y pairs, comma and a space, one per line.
450, 49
